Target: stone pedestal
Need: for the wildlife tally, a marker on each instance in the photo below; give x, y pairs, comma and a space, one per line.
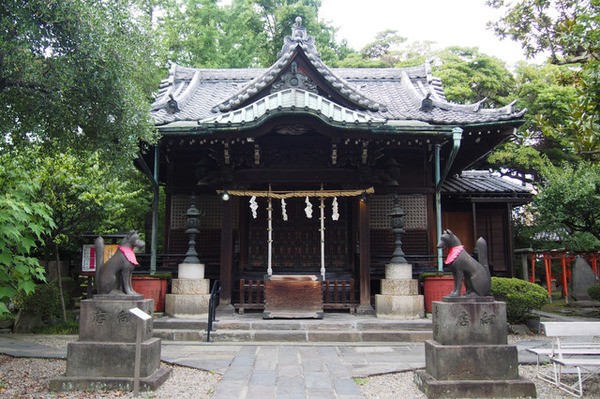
469, 356
190, 293
399, 298
104, 355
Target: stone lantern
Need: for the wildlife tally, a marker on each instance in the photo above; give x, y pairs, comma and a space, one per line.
189, 297
398, 223
399, 298
192, 224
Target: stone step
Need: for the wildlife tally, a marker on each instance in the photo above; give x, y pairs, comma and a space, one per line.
293, 336
318, 336
171, 323
282, 330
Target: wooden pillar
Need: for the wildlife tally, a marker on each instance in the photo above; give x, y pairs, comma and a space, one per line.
364, 259
226, 269
510, 240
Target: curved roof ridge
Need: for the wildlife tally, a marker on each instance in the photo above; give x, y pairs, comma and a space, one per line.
292, 99
299, 38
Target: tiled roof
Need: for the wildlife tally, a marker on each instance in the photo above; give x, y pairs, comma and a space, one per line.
478, 182
390, 94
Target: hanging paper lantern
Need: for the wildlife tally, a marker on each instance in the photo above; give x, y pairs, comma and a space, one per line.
283, 210
253, 206
335, 215
308, 208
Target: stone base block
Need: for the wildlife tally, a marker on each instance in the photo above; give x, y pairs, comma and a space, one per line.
469, 321
191, 286
471, 362
191, 270
190, 306
399, 287
398, 271
517, 388
108, 359
399, 307
109, 320
74, 383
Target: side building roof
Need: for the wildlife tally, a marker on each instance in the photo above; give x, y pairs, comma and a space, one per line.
484, 184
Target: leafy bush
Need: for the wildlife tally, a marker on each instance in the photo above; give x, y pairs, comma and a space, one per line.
68, 286
44, 301
520, 296
7, 316
69, 327
594, 292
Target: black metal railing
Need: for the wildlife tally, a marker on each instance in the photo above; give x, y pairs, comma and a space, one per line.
212, 308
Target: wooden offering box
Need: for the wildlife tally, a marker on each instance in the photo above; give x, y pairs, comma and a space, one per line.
293, 297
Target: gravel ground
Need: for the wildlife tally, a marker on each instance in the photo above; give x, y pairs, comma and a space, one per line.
401, 385
28, 378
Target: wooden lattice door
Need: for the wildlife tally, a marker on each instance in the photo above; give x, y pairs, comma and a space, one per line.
296, 242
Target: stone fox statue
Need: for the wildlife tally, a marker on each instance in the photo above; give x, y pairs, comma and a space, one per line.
475, 275
115, 273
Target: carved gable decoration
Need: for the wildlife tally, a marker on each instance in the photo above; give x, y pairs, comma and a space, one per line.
294, 80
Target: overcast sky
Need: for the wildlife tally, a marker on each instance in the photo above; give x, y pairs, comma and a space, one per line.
447, 22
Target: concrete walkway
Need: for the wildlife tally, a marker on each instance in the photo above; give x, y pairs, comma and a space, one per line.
287, 370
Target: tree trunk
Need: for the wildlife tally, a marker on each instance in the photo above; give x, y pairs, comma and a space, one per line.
59, 284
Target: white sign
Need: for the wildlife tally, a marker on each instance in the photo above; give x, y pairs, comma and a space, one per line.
140, 313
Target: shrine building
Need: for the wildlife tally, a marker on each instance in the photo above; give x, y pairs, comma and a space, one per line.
311, 159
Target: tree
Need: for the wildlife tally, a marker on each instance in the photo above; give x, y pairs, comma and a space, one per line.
74, 194
546, 91
243, 34
569, 31
85, 194
470, 76
67, 75
24, 219
385, 48
569, 204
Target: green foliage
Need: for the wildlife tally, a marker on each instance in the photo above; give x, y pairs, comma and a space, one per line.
470, 76
569, 204
568, 110
423, 276
44, 301
594, 292
520, 297
567, 29
546, 92
51, 199
7, 316
68, 73
60, 328
90, 195
69, 289
241, 34
24, 220
385, 48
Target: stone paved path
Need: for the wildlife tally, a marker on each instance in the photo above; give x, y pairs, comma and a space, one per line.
287, 372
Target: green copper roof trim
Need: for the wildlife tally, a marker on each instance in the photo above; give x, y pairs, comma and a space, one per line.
385, 129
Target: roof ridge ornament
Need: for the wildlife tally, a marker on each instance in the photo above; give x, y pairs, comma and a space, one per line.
294, 79
299, 37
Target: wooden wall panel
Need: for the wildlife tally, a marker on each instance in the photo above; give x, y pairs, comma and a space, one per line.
461, 224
